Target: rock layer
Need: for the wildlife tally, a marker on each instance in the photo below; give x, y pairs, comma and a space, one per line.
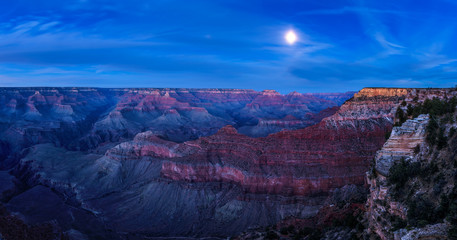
390, 199
314, 160
100, 155
400, 145
135, 182
83, 118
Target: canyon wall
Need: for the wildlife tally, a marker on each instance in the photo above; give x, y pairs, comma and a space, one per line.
85, 118
217, 185
192, 162
88, 155
401, 144
412, 178
313, 160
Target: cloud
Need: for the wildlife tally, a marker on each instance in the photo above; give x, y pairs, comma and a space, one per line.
390, 48
23, 28
349, 9
6, 80
52, 70
228, 43
41, 44
393, 71
431, 60
48, 25
386, 44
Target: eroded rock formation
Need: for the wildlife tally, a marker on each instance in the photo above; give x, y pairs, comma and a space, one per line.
178, 162
401, 144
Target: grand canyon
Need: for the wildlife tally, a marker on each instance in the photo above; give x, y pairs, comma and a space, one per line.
228, 119
96, 163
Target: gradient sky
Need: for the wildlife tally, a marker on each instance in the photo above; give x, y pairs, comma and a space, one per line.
343, 45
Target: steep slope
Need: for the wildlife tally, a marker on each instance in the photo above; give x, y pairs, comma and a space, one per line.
313, 160
158, 111
84, 118
217, 185
71, 151
30, 116
202, 112
413, 193
400, 145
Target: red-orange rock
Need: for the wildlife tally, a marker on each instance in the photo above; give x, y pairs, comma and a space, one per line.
314, 160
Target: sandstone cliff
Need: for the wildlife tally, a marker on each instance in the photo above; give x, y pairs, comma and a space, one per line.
412, 182
400, 146
86, 155
212, 180
314, 160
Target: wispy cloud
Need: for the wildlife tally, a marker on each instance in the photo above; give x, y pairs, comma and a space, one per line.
391, 48
48, 25
228, 44
429, 61
349, 9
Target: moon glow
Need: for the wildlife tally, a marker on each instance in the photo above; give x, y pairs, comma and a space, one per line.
291, 37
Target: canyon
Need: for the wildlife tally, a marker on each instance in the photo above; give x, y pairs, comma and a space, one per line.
135, 163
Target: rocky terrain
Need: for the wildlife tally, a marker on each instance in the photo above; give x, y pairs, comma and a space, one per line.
83, 118
400, 146
61, 156
135, 163
412, 181
314, 160
412, 192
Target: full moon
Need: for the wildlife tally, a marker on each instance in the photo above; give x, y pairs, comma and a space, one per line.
291, 37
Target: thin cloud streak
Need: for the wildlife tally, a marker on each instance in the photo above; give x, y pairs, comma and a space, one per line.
229, 44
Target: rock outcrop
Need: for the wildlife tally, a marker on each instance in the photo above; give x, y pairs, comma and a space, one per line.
88, 151
84, 118
175, 162
314, 160
30, 116
412, 180
401, 144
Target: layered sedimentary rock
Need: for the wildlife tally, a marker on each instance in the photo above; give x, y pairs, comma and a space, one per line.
93, 158
202, 112
401, 144
227, 182
84, 118
134, 182
132, 198
30, 116
314, 160
336, 97
423, 175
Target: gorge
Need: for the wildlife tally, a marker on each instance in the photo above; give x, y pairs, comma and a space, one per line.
137, 163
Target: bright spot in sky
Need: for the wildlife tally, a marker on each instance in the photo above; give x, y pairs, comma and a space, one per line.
291, 37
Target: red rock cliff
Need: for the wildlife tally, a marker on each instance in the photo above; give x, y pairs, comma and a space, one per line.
314, 160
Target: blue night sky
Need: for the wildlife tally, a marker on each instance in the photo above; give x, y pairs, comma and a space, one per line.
342, 45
